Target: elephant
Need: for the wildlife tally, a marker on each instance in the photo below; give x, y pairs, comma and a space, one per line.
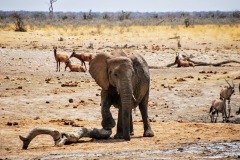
125, 81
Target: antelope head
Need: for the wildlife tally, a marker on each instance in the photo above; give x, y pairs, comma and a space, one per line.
231, 86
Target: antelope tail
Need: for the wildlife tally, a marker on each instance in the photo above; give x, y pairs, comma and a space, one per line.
211, 109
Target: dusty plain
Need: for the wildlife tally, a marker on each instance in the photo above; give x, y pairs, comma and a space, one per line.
32, 92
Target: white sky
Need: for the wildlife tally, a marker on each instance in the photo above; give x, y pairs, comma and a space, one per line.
119, 5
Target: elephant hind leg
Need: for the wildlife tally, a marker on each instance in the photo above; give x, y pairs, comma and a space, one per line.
131, 125
148, 133
143, 106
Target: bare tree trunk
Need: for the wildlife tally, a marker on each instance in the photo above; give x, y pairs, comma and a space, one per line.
51, 8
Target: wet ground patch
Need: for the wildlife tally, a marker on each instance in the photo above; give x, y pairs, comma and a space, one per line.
220, 150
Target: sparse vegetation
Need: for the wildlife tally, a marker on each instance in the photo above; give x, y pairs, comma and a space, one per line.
88, 16
123, 18
19, 24
106, 16
124, 15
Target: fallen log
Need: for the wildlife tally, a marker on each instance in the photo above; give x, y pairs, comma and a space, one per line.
61, 138
171, 64
212, 64
203, 63
156, 67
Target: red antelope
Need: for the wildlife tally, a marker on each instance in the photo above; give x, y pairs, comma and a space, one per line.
59, 58
182, 63
74, 68
82, 57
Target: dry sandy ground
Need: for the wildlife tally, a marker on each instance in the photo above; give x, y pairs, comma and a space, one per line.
31, 94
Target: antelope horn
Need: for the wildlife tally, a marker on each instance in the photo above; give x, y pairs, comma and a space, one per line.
228, 83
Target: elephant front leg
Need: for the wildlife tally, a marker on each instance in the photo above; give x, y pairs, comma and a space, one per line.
119, 134
107, 120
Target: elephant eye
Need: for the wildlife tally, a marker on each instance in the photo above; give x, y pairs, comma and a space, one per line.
115, 74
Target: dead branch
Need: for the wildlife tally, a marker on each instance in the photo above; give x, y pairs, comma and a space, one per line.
171, 64
212, 64
51, 8
201, 63
155, 67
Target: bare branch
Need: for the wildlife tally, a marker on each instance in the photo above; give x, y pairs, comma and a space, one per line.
51, 8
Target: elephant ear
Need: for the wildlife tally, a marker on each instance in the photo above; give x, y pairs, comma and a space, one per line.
98, 68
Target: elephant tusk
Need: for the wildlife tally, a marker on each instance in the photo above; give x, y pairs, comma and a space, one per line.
134, 98
118, 91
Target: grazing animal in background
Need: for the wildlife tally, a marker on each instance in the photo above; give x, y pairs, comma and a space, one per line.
74, 68
82, 57
226, 93
182, 63
217, 106
59, 58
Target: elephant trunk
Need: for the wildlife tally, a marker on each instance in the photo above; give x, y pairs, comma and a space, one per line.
126, 97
